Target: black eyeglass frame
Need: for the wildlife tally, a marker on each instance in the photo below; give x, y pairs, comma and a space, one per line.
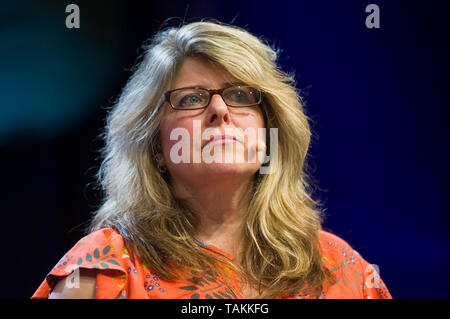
211, 92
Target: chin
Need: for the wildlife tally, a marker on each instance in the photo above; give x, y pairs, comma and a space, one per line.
226, 169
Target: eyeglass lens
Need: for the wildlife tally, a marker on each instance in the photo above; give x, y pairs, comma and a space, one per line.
192, 98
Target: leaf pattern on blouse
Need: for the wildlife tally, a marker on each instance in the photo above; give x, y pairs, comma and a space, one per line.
122, 275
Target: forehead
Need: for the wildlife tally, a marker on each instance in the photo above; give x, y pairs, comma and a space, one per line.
199, 71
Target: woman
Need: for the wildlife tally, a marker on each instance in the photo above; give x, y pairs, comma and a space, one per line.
196, 224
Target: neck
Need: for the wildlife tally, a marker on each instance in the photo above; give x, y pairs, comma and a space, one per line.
221, 207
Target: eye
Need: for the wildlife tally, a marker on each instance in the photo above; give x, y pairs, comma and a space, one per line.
240, 95
191, 99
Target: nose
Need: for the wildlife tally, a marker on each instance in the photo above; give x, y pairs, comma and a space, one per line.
217, 111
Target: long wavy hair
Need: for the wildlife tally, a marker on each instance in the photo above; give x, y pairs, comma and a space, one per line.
282, 252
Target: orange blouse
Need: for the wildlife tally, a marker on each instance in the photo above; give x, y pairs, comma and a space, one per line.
122, 275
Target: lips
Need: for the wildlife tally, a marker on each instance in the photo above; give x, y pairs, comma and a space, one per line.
222, 137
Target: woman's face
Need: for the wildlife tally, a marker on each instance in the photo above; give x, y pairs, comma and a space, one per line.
198, 148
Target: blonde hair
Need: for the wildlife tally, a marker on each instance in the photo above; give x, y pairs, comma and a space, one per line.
282, 253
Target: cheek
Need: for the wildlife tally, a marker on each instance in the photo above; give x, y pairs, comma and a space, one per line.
255, 142
252, 119
181, 131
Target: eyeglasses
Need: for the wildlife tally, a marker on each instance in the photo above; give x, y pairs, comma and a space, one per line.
194, 98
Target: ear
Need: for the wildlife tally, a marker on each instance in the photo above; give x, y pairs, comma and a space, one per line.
159, 159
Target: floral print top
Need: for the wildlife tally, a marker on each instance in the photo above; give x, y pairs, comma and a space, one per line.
122, 275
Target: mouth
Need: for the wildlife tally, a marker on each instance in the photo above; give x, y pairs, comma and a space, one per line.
220, 139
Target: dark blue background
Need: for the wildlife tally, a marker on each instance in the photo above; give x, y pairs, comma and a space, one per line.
378, 100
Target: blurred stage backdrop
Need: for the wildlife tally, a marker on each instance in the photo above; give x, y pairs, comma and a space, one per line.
378, 99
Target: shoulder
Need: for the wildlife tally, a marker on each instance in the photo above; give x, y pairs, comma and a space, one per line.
355, 277
336, 250
330, 238
332, 242
105, 236
100, 251
101, 235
